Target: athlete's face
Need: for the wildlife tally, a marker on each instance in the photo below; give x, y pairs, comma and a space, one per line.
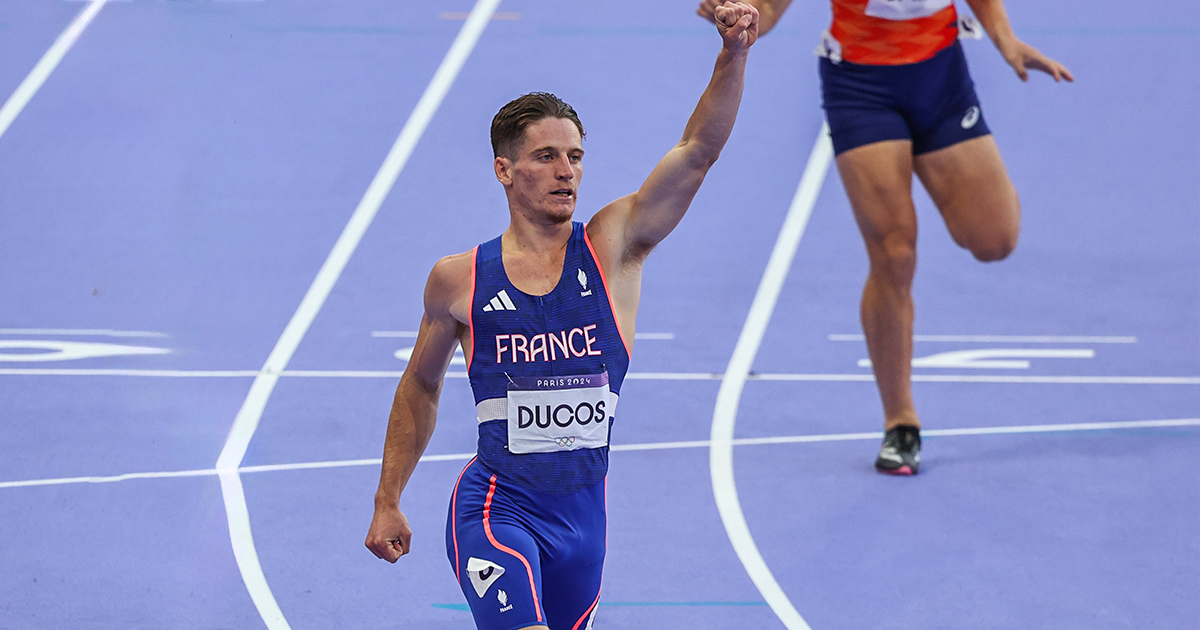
543, 181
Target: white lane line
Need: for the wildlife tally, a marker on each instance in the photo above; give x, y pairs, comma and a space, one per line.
458, 15
730, 392
360, 220
1068, 380
988, 378
672, 376
109, 479
120, 372
1002, 338
248, 416
49, 61
1051, 428
89, 332
650, 446
244, 553
645, 376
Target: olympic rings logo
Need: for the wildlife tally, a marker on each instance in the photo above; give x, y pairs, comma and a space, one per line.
565, 441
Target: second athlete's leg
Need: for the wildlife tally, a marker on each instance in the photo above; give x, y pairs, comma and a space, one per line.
878, 181
978, 201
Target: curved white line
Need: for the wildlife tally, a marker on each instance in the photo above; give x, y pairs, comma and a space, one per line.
246, 422
730, 392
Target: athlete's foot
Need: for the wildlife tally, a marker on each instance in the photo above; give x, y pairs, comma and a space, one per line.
901, 451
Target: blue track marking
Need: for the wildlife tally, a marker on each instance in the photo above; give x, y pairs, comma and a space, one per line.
189, 165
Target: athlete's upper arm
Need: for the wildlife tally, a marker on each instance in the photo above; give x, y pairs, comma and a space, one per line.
638, 222
447, 304
635, 223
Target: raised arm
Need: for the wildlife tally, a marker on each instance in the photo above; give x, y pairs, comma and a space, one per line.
769, 12
627, 229
1018, 54
414, 408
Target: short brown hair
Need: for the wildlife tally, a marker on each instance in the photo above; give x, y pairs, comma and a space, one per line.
508, 126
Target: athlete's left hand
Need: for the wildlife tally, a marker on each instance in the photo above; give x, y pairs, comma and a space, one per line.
1023, 57
738, 24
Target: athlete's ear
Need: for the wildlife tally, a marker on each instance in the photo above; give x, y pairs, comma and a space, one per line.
503, 167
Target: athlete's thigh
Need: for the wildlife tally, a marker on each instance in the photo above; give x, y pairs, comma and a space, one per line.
496, 561
878, 181
972, 190
572, 594
500, 576
573, 560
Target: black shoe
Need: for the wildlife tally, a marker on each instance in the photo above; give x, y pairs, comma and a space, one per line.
901, 452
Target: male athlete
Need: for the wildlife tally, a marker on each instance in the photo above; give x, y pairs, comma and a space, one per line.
545, 314
899, 100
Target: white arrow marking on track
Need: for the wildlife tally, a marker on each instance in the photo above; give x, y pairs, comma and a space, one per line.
55, 350
1002, 358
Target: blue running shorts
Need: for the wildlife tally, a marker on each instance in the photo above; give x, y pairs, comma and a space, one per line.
931, 102
524, 557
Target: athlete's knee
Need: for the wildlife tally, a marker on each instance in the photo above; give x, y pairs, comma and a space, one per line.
894, 258
996, 248
995, 243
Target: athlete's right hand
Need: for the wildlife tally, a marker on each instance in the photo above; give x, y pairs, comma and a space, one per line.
738, 25
1023, 58
389, 536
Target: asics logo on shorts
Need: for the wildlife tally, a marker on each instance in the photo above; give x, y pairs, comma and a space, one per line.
971, 118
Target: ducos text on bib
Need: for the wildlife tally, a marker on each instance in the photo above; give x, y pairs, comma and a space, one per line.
547, 414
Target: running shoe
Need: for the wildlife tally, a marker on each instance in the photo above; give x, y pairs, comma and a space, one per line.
901, 451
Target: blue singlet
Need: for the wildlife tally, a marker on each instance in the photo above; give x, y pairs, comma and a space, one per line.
526, 529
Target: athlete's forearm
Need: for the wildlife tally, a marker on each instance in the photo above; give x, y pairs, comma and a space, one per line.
994, 18
711, 123
410, 425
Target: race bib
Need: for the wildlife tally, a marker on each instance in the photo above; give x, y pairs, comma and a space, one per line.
558, 413
905, 9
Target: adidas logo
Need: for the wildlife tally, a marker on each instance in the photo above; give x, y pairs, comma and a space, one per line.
500, 303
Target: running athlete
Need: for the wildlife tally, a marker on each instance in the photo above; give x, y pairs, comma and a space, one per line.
899, 101
545, 314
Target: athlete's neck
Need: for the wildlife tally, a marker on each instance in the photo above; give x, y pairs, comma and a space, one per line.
541, 239
534, 254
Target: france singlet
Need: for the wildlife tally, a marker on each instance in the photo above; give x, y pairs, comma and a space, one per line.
526, 528
546, 371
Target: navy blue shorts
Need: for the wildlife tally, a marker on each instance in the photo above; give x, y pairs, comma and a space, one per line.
523, 557
931, 102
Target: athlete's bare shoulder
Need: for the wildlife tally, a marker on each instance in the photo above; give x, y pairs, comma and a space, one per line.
448, 290
606, 231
